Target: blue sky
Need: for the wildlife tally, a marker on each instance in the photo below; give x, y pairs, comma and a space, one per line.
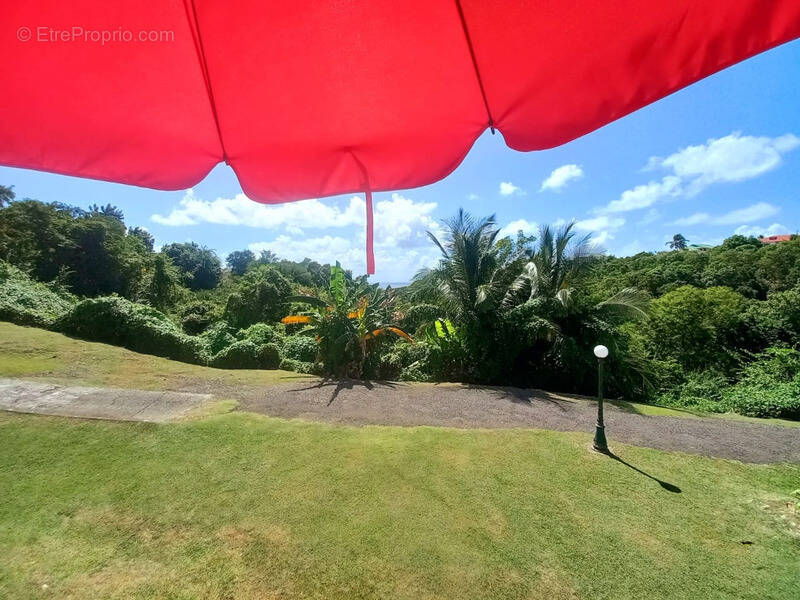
719, 157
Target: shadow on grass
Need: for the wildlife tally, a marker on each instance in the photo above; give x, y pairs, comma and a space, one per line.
345, 384
664, 484
630, 407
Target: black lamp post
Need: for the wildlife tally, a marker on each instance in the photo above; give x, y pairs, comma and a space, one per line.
600, 444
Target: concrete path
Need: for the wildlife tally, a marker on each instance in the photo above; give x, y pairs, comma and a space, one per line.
96, 403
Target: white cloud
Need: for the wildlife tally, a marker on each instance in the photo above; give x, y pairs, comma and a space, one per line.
600, 238
240, 210
561, 176
756, 212
600, 222
631, 248
755, 230
694, 219
728, 159
523, 225
473, 196
401, 244
644, 196
732, 158
651, 217
602, 228
509, 189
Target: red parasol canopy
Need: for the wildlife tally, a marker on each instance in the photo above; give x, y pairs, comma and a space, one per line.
309, 98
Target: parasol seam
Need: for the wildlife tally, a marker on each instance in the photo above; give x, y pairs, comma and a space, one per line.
191, 15
465, 29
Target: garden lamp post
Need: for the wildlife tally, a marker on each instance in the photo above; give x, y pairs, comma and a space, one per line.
600, 444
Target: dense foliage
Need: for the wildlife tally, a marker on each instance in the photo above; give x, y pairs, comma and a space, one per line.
25, 301
716, 329
89, 252
199, 266
114, 320
348, 319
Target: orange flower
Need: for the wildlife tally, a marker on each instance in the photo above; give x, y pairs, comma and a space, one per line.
291, 319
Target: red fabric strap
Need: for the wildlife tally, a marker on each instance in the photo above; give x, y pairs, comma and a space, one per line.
370, 236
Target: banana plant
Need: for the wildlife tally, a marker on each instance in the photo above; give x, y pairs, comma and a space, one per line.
347, 319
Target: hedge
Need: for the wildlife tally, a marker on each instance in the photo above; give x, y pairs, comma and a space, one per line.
118, 321
244, 354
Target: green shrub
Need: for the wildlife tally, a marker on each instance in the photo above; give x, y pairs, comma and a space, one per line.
217, 337
300, 347
270, 356
780, 400
261, 297
299, 366
27, 302
769, 386
698, 328
244, 354
418, 315
415, 372
701, 390
141, 328
777, 319
420, 361
261, 334
198, 316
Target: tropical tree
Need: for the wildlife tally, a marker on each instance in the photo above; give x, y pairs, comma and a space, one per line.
162, 290
199, 266
518, 314
260, 297
553, 321
109, 210
678, 242
470, 281
348, 319
267, 257
472, 276
6, 194
552, 269
144, 236
239, 260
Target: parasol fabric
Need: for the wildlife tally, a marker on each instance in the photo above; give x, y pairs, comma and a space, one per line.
310, 98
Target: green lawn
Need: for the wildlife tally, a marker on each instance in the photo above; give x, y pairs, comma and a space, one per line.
239, 506
34, 353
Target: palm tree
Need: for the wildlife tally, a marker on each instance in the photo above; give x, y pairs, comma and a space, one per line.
678, 242
347, 319
472, 276
556, 326
550, 273
549, 278
520, 304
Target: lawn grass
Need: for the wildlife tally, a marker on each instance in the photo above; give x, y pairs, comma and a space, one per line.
239, 506
39, 354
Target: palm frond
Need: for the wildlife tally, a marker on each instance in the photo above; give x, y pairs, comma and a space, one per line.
627, 303
313, 300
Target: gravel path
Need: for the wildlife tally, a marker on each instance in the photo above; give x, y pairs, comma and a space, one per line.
447, 405
365, 403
